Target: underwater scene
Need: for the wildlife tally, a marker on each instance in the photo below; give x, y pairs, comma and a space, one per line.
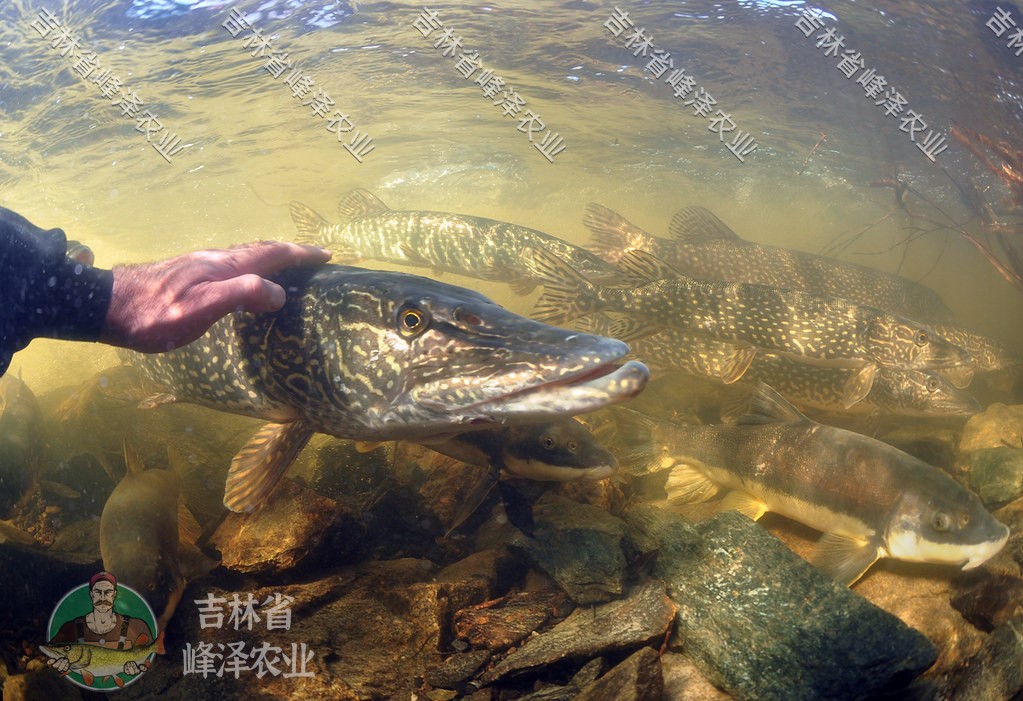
666, 350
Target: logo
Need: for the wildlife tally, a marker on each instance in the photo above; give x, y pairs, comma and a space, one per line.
102, 635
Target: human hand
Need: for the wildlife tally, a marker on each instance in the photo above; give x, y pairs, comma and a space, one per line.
131, 668
159, 306
61, 664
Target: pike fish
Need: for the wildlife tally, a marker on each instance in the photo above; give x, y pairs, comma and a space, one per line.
147, 537
485, 249
870, 499
894, 392
92, 660
704, 247
378, 356
825, 330
988, 354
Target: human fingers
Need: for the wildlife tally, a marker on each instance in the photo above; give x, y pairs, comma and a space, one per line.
268, 257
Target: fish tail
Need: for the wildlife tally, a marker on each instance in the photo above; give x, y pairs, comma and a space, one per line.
567, 295
309, 223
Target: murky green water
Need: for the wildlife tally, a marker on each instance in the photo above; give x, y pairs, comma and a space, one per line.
69, 157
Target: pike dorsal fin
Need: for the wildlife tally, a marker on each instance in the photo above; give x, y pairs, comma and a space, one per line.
357, 204
764, 405
697, 224
611, 233
639, 267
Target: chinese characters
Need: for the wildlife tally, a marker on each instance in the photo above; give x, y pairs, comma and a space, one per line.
1000, 23
86, 64
320, 104
233, 659
875, 86
548, 143
682, 84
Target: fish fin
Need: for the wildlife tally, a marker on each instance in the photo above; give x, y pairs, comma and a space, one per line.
260, 465
59, 489
686, 484
566, 293
132, 459
643, 441
473, 498
87, 677
157, 400
638, 267
858, 386
960, 376
766, 405
699, 224
118, 681
843, 557
308, 222
414, 257
737, 363
189, 530
160, 649
629, 329
357, 204
609, 232
745, 504
522, 286
368, 446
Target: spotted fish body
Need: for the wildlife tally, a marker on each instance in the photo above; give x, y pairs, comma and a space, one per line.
705, 248
486, 249
378, 356
894, 392
870, 499
827, 330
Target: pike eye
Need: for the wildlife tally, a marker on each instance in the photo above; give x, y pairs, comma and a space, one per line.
412, 321
579, 256
932, 384
921, 337
941, 522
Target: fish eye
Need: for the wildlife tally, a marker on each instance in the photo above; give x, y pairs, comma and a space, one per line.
548, 442
941, 521
411, 321
921, 337
932, 384
578, 256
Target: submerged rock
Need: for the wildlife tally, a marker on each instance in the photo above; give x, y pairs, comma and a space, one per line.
638, 678
579, 546
763, 624
502, 623
995, 474
996, 673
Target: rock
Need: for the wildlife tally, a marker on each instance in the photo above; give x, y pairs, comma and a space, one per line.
683, 681
644, 616
996, 673
579, 546
995, 474
638, 678
763, 624
997, 426
988, 599
501, 623
457, 669
278, 536
495, 566
40, 684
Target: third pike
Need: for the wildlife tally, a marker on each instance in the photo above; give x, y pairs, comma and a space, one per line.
485, 249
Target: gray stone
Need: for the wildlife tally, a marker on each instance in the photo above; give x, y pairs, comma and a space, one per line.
638, 678
996, 673
457, 669
644, 616
579, 546
763, 624
995, 474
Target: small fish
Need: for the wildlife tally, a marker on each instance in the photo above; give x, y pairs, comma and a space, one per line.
485, 249
147, 537
870, 499
823, 330
377, 356
704, 247
92, 661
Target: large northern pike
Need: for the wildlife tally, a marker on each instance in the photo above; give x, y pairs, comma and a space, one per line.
476, 247
704, 247
377, 356
869, 499
828, 330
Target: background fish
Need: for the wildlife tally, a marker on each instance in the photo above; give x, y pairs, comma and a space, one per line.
485, 249
21, 441
370, 355
869, 499
704, 247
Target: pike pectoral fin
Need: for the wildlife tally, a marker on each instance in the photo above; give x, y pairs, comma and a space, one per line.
858, 386
843, 557
258, 467
746, 504
737, 364
686, 484
157, 400
960, 376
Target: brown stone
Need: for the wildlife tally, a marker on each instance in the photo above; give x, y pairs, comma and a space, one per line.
638, 678
501, 623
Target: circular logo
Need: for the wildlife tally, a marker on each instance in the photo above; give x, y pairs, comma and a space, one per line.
102, 635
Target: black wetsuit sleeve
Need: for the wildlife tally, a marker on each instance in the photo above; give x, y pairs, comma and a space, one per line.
42, 293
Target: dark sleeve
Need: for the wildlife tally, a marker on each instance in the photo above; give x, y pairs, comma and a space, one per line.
42, 293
